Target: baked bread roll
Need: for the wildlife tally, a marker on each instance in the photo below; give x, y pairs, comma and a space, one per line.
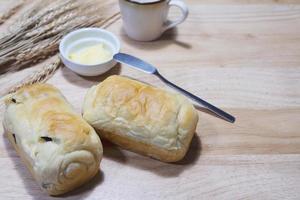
60, 149
141, 118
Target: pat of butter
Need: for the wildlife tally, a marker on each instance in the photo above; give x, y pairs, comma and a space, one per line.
91, 55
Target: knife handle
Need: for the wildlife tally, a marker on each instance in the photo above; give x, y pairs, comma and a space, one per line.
207, 105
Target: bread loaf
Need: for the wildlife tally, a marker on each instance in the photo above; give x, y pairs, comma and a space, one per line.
59, 148
141, 118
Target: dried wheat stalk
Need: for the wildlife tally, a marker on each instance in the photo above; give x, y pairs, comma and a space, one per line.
5, 16
111, 20
39, 76
37, 35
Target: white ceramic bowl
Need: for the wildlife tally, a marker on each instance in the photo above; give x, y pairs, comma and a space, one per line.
86, 37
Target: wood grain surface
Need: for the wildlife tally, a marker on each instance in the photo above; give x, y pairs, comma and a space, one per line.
243, 56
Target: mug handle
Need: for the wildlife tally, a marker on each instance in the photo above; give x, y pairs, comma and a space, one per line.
184, 10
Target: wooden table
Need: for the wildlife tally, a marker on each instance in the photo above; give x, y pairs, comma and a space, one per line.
243, 56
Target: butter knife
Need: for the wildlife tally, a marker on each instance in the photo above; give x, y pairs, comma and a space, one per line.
141, 65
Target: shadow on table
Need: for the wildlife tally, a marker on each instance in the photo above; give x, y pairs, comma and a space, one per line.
168, 38
114, 153
88, 81
85, 189
205, 110
32, 187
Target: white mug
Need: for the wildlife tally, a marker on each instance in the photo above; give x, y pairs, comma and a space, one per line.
148, 20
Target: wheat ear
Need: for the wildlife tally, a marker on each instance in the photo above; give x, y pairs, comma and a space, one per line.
10, 12
39, 76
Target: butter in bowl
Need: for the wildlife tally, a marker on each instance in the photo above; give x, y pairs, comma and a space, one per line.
89, 51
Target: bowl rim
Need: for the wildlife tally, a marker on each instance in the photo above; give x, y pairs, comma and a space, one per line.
70, 34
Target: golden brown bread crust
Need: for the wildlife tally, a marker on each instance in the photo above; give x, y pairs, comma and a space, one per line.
141, 118
60, 149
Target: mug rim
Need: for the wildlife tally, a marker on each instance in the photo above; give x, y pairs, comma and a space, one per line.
148, 3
